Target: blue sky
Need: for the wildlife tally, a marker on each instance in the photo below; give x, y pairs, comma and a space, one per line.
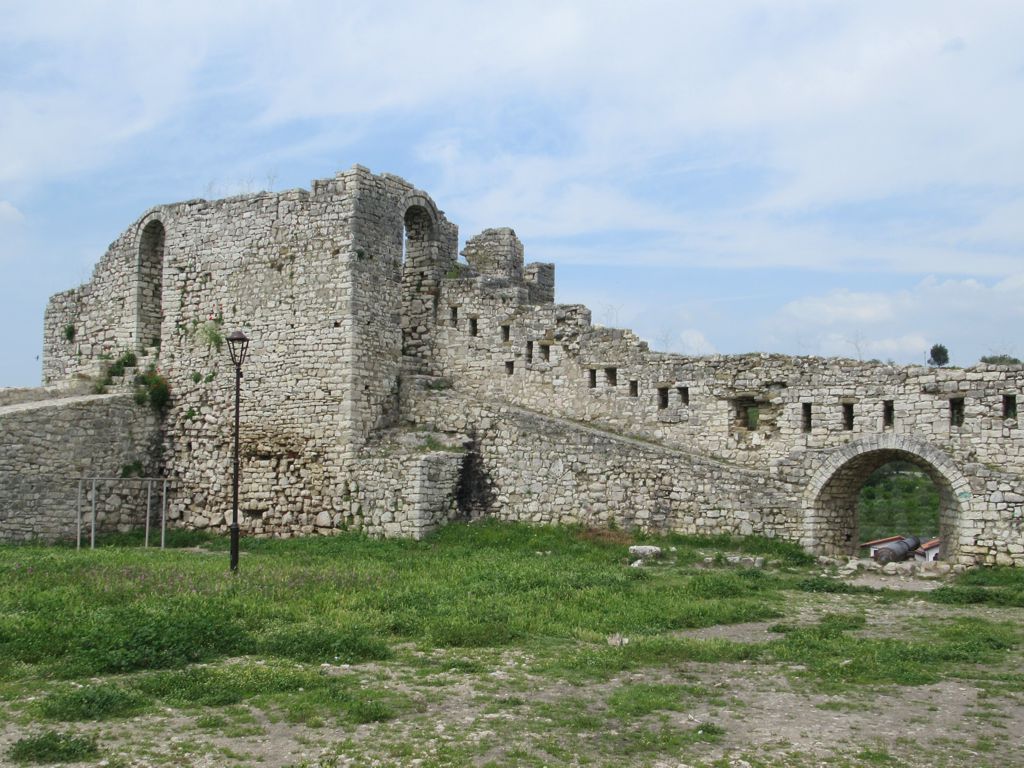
820, 177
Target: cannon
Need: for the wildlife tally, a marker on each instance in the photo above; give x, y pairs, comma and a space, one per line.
895, 551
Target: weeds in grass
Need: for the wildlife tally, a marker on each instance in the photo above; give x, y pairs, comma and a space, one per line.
833, 659
322, 642
91, 702
639, 699
53, 747
578, 663
967, 592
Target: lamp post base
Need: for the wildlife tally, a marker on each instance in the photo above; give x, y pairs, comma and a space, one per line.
234, 546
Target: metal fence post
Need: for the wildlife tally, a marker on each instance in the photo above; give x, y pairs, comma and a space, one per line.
149, 509
92, 533
163, 516
78, 524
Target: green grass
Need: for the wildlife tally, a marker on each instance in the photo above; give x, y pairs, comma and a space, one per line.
639, 699
834, 659
498, 610
346, 598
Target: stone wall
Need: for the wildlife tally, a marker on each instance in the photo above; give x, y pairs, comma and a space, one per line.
546, 470
66, 388
47, 445
315, 279
782, 417
352, 289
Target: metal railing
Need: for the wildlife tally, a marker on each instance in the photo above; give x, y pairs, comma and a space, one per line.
163, 481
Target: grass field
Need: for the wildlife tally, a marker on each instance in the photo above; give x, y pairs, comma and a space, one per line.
494, 645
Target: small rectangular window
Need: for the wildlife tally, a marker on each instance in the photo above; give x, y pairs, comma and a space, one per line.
956, 411
545, 352
472, 326
634, 388
752, 414
506, 332
848, 416
684, 395
1009, 406
611, 377
807, 417
510, 367
662, 397
888, 413
453, 318
529, 352
592, 380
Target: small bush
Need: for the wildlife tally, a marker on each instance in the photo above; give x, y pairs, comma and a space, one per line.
228, 684
359, 707
69, 333
53, 747
91, 702
210, 334
134, 469
126, 360
152, 388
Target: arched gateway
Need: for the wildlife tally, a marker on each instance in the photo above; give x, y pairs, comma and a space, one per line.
830, 498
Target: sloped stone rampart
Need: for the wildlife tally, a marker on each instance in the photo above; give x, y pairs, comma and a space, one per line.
546, 470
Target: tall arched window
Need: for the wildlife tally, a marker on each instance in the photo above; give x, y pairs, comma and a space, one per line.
150, 285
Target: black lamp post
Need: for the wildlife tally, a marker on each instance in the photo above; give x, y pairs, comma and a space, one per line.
238, 345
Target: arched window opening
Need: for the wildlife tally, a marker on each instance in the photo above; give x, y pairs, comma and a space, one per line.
420, 281
150, 285
419, 231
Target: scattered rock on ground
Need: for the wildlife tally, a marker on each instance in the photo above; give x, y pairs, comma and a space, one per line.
644, 551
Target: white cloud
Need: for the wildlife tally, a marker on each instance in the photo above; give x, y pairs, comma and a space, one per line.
868, 137
694, 342
10, 214
970, 317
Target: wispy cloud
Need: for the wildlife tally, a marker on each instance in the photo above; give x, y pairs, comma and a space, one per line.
970, 316
9, 214
847, 139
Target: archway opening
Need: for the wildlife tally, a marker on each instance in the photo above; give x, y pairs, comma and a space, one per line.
150, 285
898, 499
869, 495
419, 232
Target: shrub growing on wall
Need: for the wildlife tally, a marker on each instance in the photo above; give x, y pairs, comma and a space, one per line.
152, 388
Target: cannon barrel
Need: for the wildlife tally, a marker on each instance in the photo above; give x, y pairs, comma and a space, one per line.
896, 551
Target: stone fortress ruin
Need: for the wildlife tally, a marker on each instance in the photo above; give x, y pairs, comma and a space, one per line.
391, 387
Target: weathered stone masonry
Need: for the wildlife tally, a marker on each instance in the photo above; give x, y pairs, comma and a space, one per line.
392, 387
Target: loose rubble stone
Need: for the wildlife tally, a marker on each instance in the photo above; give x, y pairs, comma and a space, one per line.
644, 551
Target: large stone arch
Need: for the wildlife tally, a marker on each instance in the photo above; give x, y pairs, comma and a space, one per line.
420, 219
830, 498
149, 270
